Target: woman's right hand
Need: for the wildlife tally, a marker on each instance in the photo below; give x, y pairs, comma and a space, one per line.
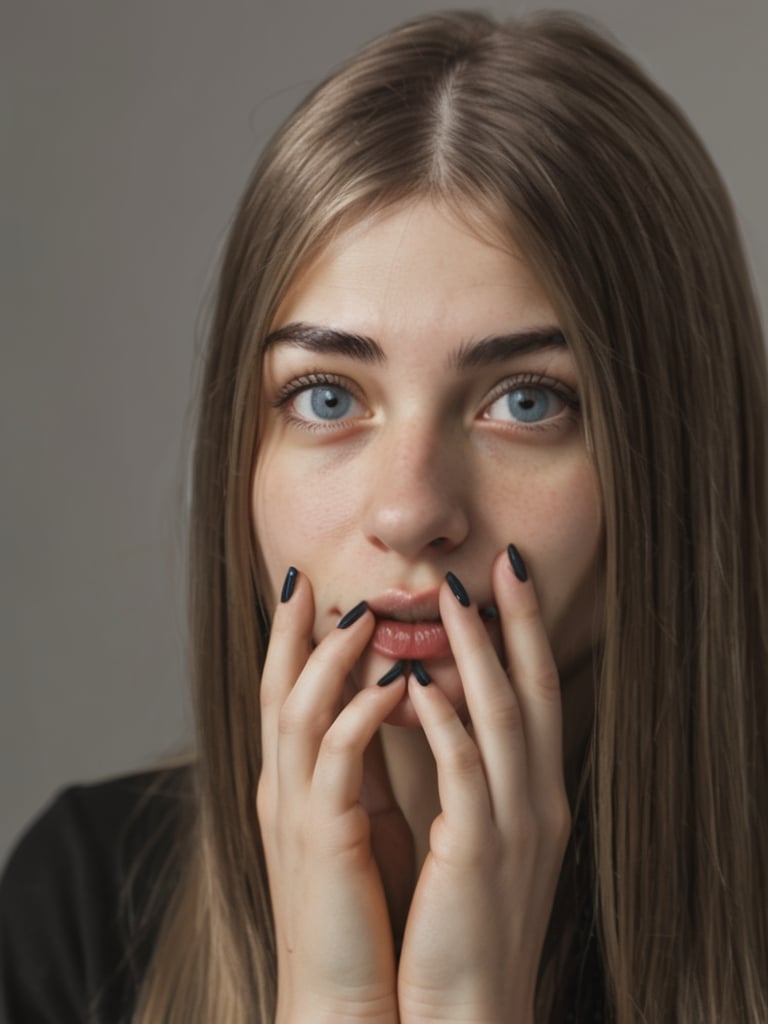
334, 941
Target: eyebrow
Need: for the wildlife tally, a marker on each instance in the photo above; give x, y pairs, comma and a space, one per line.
470, 355
500, 347
328, 340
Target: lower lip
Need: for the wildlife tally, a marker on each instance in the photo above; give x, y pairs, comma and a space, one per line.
395, 639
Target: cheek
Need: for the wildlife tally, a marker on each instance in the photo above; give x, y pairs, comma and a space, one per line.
300, 515
568, 525
552, 504
567, 539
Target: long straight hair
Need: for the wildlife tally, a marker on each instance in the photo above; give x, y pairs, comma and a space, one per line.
545, 134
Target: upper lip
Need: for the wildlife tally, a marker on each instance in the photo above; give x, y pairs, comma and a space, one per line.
407, 606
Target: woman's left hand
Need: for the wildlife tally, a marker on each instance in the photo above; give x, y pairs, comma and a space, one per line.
482, 903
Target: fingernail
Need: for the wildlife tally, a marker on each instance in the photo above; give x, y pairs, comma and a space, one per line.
289, 584
391, 676
422, 676
458, 589
517, 563
353, 615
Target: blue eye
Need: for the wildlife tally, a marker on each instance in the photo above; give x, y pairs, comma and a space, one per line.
527, 404
530, 405
324, 402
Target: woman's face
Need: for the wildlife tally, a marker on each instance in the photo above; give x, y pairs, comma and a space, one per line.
420, 412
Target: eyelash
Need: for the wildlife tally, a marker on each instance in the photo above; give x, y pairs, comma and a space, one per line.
567, 395
521, 380
304, 383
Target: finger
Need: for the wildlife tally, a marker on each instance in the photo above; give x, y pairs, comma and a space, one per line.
312, 704
461, 778
290, 645
492, 703
532, 669
338, 776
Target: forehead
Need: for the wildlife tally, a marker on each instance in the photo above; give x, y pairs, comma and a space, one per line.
416, 268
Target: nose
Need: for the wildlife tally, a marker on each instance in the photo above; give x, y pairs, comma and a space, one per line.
419, 492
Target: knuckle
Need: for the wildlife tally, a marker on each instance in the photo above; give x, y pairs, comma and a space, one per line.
294, 720
464, 758
290, 721
505, 714
548, 683
335, 743
450, 845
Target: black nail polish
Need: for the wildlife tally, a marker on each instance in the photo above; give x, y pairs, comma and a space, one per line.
517, 563
289, 584
422, 676
392, 675
353, 615
457, 589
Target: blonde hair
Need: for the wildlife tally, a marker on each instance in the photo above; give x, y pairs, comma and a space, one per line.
549, 131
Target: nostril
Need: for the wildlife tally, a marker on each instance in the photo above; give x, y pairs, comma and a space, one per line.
438, 542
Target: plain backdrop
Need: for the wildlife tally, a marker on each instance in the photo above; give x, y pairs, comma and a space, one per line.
128, 130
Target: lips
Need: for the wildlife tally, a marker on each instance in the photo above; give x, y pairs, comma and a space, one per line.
396, 639
408, 626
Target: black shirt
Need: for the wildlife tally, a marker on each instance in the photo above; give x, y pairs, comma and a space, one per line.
76, 929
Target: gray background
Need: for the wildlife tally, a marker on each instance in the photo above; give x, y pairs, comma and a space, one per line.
128, 131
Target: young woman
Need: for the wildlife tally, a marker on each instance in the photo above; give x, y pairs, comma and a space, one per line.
479, 581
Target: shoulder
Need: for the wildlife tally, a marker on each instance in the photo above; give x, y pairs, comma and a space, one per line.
71, 896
